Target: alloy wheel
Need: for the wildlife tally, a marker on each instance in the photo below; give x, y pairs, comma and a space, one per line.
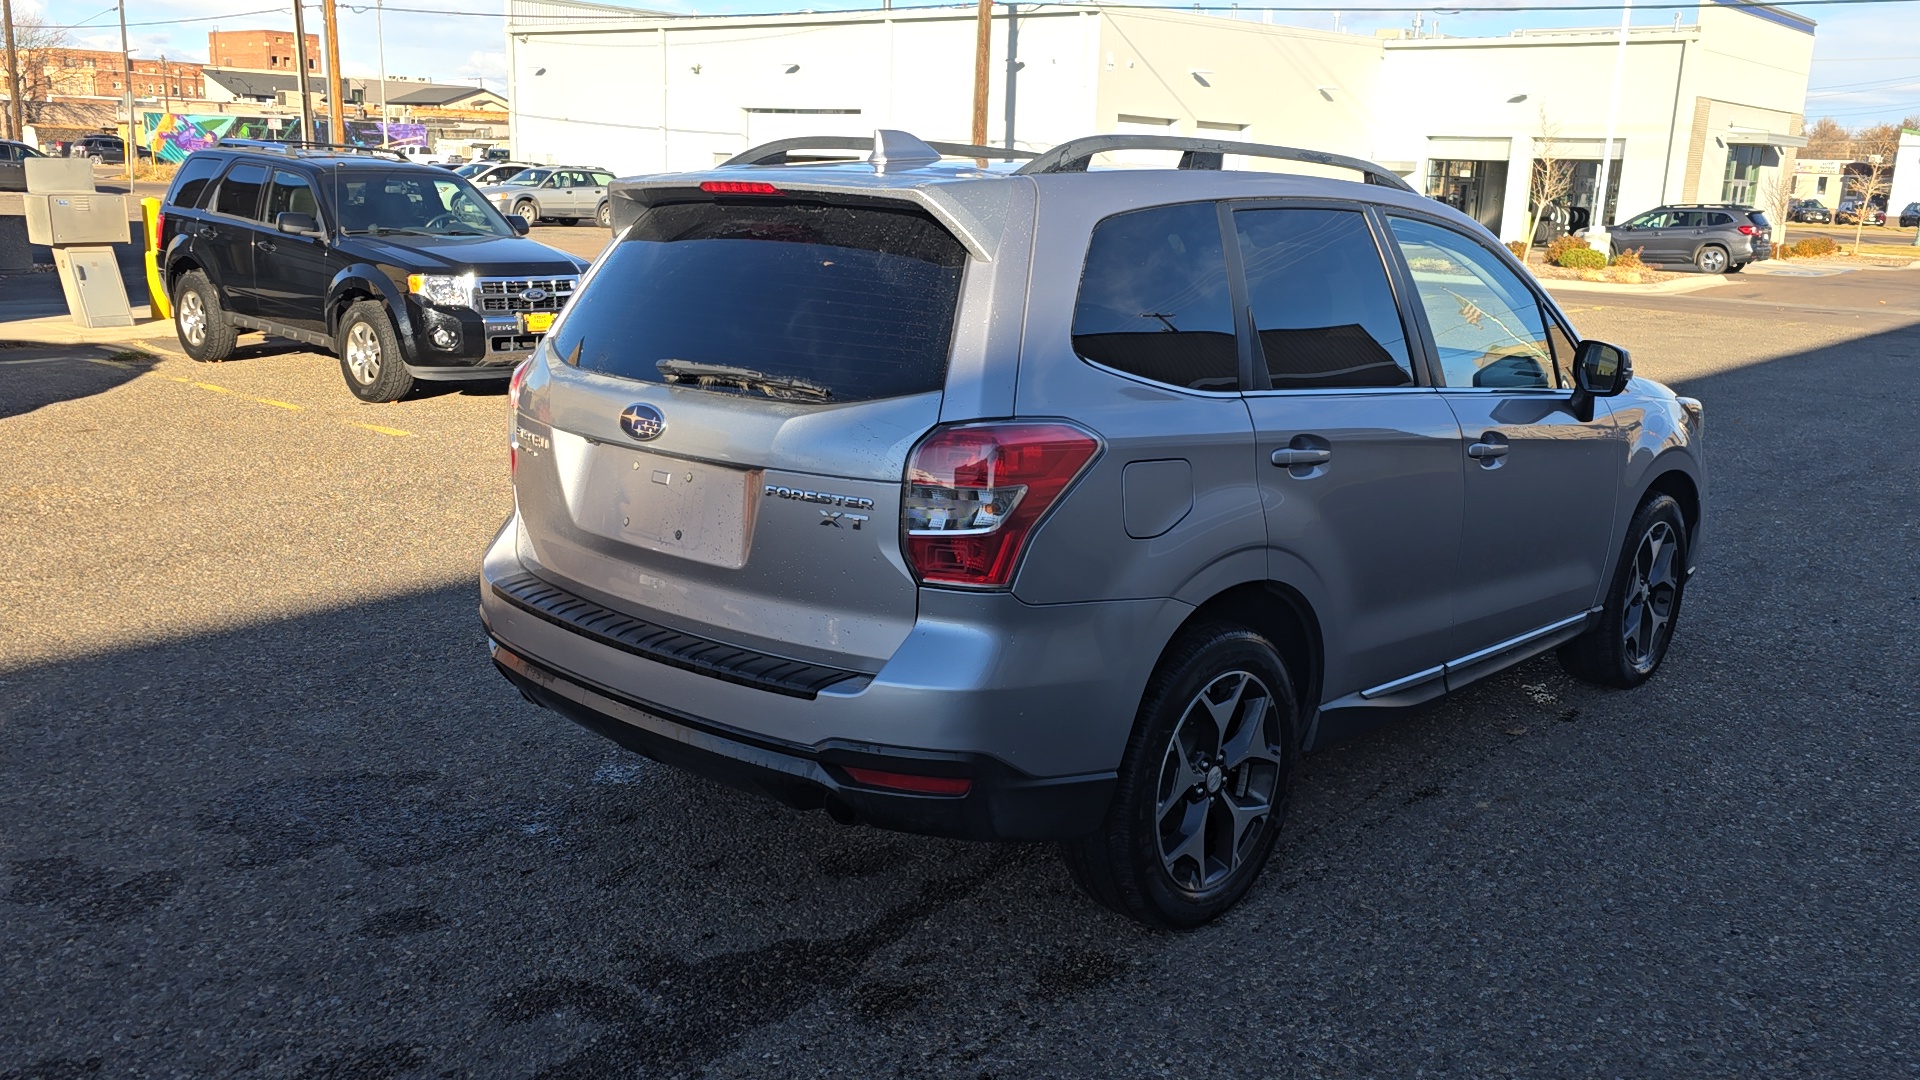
1218, 781
1713, 260
193, 318
363, 353
1652, 593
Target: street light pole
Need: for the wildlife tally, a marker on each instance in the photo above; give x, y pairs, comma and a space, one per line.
380, 36
127, 151
1600, 222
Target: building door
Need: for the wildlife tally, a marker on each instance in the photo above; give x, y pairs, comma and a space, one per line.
1477, 189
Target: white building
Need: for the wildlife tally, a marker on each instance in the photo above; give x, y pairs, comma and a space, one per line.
1708, 111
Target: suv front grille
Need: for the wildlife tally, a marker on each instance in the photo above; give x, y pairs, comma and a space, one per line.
507, 296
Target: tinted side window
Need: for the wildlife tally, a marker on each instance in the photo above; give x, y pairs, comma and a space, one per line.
240, 191
1486, 323
1153, 298
1721, 219
291, 194
191, 184
1322, 307
802, 300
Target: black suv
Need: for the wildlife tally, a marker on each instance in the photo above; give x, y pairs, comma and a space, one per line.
404, 271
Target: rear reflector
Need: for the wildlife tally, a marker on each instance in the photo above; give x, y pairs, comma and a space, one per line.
739, 187
918, 785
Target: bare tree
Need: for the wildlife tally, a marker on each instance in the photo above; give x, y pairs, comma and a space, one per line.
1827, 139
1873, 150
1552, 177
35, 52
1775, 196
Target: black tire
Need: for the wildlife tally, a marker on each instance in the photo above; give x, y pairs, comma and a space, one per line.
1621, 650
380, 375
528, 209
569, 221
205, 331
603, 217
1734, 268
1126, 865
1711, 259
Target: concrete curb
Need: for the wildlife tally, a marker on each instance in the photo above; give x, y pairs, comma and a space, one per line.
1677, 285
61, 330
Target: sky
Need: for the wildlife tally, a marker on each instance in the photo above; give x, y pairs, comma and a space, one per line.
1866, 63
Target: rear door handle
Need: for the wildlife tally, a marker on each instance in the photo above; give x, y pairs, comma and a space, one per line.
267, 246
1288, 456
1485, 451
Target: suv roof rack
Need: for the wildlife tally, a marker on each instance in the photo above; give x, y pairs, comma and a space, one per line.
1073, 155
299, 148
779, 152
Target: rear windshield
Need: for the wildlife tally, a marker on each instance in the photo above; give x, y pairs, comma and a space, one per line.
825, 302
1759, 218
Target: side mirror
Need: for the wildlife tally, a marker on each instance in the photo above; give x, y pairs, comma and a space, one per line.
519, 224
297, 224
1599, 370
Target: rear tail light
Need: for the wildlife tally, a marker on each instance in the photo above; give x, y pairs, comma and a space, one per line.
975, 492
1748, 230
909, 782
513, 414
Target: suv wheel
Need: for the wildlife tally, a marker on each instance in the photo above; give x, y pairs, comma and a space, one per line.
370, 354
528, 209
202, 324
1710, 259
1203, 785
1626, 647
1735, 268
604, 216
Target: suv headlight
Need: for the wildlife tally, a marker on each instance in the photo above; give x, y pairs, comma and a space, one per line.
450, 290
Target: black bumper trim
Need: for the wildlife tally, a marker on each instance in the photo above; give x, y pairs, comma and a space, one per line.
1002, 804
702, 656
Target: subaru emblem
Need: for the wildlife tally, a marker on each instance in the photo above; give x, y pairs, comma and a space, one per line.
534, 296
643, 421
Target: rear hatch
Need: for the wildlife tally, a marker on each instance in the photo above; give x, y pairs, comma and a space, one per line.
726, 409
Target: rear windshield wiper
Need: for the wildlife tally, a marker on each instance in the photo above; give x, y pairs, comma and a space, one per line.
785, 387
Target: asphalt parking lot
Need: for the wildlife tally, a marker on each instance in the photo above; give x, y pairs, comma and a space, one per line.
265, 808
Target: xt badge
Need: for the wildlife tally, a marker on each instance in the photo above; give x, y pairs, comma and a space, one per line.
840, 519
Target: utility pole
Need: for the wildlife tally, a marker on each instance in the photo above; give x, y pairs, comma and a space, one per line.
336, 86
1013, 66
380, 35
127, 150
166, 92
300, 62
16, 111
982, 46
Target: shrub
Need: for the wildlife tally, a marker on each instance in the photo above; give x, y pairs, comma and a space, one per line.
1561, 246
1519, 249
1814, 247
1582, 258
1629, 260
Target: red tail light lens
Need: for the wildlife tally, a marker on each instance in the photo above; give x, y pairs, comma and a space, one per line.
513, 414
918, 785
739, 187
974, 494
514, 384
1748, 230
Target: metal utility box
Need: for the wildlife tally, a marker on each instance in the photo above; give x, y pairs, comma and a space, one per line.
75, 218
52, 175
96, 295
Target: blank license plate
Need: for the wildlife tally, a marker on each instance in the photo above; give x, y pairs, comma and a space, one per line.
694, 510
537, 322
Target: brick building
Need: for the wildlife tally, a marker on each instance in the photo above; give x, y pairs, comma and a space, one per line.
260, 50
50, 73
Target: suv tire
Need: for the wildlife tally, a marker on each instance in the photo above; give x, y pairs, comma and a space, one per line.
1734, 268
201, 323
1627, 645
1213, 749
370, 356
604, 216
1711, 259
528, 209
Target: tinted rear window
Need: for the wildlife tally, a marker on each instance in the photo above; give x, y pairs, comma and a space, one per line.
240, 192
857, 299
195, 174
1759, 219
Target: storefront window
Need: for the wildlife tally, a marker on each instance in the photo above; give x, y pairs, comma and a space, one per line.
1477, 189
1743, 173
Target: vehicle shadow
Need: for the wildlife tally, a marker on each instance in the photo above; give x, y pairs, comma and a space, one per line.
340, 844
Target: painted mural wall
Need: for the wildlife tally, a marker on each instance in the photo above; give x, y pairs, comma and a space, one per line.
172, 136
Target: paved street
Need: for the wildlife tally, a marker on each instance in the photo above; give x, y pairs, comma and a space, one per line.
266, 809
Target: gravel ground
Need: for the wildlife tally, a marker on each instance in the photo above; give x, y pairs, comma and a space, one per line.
266, 810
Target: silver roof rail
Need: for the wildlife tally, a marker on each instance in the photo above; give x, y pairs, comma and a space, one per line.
779, 152
1073, 155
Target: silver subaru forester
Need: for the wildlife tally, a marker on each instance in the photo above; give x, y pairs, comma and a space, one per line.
1034, 501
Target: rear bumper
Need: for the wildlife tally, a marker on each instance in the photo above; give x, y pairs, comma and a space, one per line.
1000, 803
1031, 703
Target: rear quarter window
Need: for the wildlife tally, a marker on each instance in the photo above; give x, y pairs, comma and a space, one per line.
190, 185
857, 300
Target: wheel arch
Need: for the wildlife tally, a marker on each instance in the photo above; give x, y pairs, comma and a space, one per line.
355, 284
1675, 482
1283, 615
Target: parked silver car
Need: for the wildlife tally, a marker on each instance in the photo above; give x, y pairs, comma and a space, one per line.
1040, 503
553, 192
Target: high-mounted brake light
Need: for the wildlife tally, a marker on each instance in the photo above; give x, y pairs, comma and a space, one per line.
739, 187
1748, 230
912, 782
975, 492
